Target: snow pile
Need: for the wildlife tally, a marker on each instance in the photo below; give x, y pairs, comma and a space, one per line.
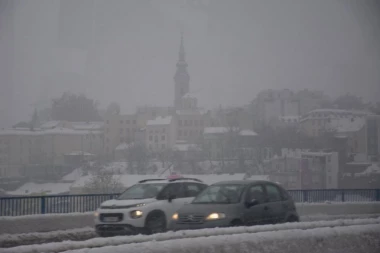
74, 175
45, 222
216, 237
12, 240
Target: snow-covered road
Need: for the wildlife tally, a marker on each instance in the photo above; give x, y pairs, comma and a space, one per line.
122, 240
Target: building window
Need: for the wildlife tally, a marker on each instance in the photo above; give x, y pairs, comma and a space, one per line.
163, 130
150, 137
179, 132
190, 122
185, 122
127, 121
121, 122
156, 138
163, 137
180, 122
185, 133
134, 122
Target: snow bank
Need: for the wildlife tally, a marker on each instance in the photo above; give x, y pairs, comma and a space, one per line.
206, 238
44, 222
53, 222
12, 240
320, 240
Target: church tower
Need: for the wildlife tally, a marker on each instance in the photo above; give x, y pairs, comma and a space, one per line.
181, 77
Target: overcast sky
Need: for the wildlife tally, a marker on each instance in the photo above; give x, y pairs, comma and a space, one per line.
126, 50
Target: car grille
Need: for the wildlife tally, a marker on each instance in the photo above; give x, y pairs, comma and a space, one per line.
111, 217
190, 219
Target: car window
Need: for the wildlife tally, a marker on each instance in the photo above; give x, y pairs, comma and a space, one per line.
273, 193
222, 194
256, 192
192, 189
174, 189
142, 191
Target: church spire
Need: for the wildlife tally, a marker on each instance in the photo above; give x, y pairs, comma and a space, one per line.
181, 77
181, 57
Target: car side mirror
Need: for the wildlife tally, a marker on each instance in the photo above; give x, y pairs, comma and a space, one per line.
171, 197
252, 202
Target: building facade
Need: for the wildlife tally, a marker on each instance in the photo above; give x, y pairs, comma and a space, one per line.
20, 148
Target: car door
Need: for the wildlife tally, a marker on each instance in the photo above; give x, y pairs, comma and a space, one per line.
254, 215
276, 211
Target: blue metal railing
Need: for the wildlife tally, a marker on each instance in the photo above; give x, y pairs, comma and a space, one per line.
30, 205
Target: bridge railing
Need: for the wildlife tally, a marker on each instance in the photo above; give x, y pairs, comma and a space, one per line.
30, 205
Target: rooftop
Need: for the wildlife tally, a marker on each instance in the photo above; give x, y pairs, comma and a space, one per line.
160, 121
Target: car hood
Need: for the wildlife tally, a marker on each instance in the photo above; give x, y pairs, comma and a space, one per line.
206, 209
127, 203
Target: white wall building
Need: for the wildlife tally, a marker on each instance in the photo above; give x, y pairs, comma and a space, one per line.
160, 133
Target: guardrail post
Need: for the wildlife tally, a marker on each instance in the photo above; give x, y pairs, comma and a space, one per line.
43, 206
305, 195
343, 196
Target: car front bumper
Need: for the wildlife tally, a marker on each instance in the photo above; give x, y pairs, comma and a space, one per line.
118, 229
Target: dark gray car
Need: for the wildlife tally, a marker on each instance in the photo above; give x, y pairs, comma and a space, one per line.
236, 203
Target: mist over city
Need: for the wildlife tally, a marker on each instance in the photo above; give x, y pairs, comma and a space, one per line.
189, 125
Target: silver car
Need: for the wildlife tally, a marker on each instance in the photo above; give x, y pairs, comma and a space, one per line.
236, 203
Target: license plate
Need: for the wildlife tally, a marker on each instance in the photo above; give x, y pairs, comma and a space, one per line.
111, 219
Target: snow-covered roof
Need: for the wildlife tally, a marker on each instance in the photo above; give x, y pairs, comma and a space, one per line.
215, 130
54, 131
46, 188
345, 125
185, 147
123, 146
196, 111
75, 153
373, 169
247, 132
337, 111
50, 124
88, 125
160, 121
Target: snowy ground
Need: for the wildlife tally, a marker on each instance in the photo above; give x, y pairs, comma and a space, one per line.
198, 234
340, 239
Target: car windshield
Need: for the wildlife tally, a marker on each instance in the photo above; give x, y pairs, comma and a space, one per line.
222, 194
142, 191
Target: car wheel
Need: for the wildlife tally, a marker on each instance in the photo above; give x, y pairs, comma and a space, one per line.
156, 223
237, 223
103, 234
292, 218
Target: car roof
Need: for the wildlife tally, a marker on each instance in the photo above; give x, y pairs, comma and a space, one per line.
174, 180
243, 182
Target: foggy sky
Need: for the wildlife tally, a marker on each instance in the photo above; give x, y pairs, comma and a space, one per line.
126, 50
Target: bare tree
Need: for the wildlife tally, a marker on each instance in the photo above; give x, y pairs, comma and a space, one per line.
102, 182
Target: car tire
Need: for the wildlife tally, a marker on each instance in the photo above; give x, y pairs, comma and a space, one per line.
292, 218
155, 223
237, 223
103, 234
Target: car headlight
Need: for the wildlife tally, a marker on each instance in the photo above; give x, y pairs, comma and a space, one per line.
175, 216
96, 214
136, 214
216, 216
